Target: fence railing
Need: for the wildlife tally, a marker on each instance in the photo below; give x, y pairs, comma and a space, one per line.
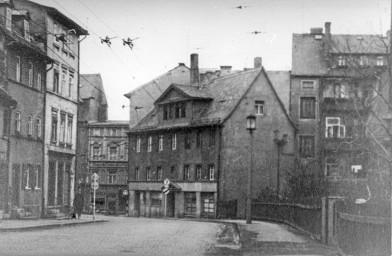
305, 217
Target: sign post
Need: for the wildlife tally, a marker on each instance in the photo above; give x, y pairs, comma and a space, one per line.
94, 186
165, 191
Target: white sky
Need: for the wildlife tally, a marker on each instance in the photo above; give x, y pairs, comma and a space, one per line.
169, 31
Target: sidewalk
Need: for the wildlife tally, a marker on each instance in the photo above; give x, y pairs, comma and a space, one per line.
266, 238
28, 225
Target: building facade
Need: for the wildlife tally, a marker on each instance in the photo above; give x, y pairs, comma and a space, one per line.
195, 142
60, 36
336, 84
23, 77
108, 157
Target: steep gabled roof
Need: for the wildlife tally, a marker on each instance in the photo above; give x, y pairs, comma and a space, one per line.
359, 44
281, 82
91, 86
190, 92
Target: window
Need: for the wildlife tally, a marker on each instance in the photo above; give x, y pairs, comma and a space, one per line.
63, 89
17, 122
308, 107
190, 203
38, 177
112, 177
6, 122
307, 85
53, 135
306, 145
71, 79
18, 69
69, 129
212, 138
331, 166
208, 205
8, 21
159, 173
31, 74
26, 29
334, 129
259, 107
56, 78
113, 153
27, 178
179, 110
149, 144
212, 172
165, 112
187, 173
341, 91
199, 139
62, 127
198, 172
96, 151
173, 172
174, 141
39, 81
29, 125
137, 173
138, 141
363, 61
341, 61
148, 171
38, 127
174, 110
187, 140
160, 142
380, 61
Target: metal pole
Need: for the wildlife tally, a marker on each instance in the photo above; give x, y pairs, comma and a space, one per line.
165, 205
94, 203
249, 190
278, 173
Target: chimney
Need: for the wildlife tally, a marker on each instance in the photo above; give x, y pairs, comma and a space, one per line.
181, 64
194, 68
258, 62
328, 28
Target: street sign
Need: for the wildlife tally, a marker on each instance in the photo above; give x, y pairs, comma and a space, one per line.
94, 177
94, 185
166, 183
165, 191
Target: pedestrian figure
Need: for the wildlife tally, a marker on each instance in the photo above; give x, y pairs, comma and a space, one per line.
78, 204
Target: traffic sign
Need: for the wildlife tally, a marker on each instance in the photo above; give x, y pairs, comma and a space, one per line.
166, 183
125, 192
94, 185
165, 191
94, 177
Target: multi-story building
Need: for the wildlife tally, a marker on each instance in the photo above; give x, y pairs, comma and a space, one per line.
195, 142
22, 76
336, 81
92, 108
108, 157
60, 35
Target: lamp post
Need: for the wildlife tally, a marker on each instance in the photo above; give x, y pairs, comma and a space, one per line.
279, 143
251, 126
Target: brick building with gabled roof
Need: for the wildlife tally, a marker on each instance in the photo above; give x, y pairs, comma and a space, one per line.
195, 136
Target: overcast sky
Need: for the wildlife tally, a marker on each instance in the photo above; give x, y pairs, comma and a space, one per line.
168, 31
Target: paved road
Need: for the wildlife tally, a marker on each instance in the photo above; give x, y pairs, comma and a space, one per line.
119, 236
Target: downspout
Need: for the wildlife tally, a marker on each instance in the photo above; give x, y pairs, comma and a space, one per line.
43, 215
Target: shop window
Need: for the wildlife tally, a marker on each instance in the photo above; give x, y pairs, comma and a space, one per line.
208, 205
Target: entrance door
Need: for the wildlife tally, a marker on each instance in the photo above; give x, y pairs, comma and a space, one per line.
15, 184
190, 204
170, 205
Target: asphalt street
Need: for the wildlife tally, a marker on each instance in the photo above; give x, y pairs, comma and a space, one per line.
119, 236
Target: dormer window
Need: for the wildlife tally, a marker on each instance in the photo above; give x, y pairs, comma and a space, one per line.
174, 111
26, 29
8, 21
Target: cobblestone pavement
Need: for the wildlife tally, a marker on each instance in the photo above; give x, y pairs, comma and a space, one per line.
119, 236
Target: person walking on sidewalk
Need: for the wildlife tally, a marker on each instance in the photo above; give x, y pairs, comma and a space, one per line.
78, 204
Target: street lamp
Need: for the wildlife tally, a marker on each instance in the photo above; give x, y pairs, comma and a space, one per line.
280, 143
251, 126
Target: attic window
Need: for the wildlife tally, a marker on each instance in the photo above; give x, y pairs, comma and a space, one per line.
174, 111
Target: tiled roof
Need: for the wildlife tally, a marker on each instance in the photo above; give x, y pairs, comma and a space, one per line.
91, 86
281, 82
193, 91
365, 44
308, 56
226, 93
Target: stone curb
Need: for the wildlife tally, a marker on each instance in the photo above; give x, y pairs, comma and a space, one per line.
48, 226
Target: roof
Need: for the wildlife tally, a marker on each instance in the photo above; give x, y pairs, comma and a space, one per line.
226, 92
194, 92
359, 44
60, 17
110, 123
308, 56
281, 82
91, 86
6, 99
